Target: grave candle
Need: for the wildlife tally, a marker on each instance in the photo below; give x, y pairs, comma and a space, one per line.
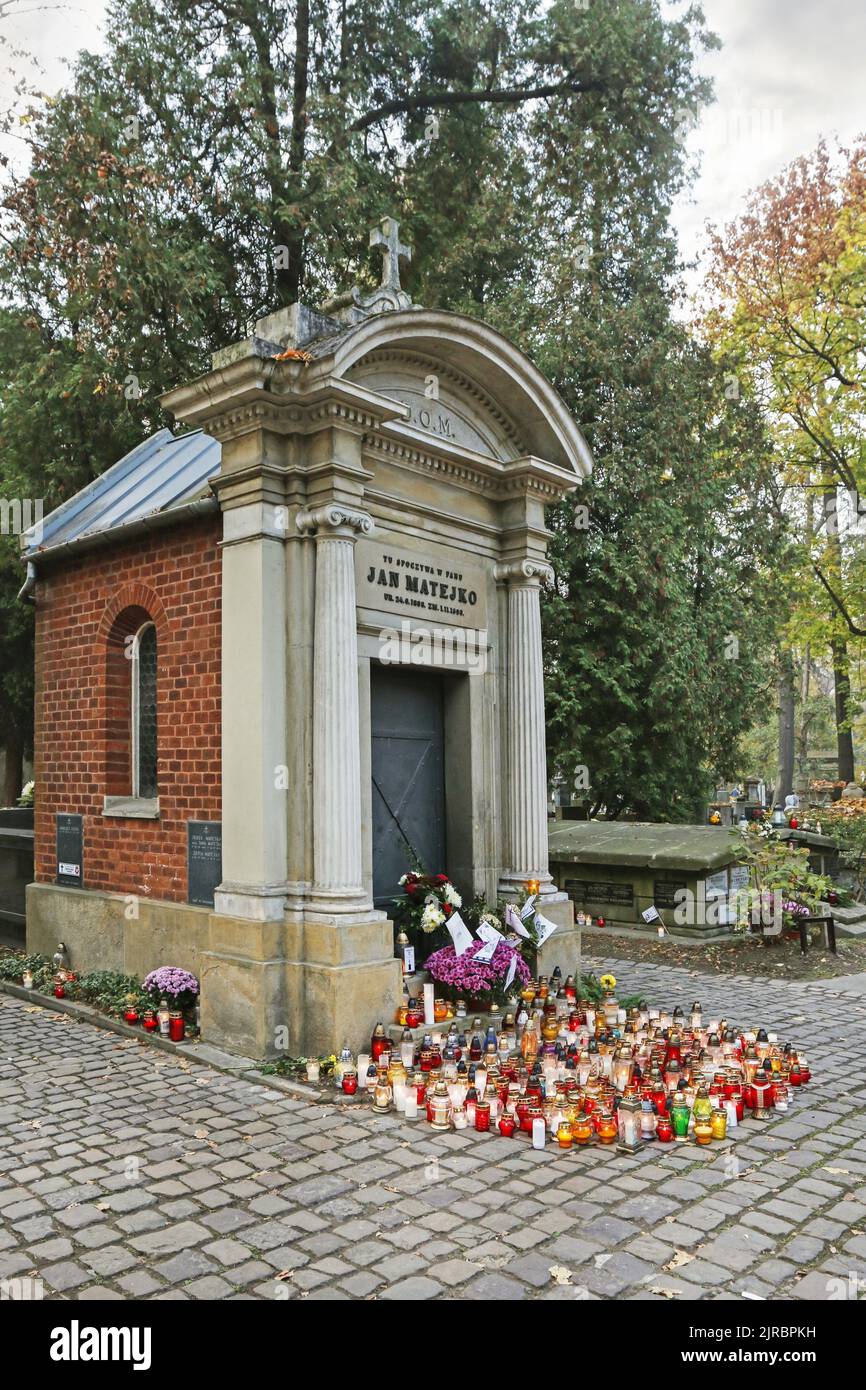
429, 1001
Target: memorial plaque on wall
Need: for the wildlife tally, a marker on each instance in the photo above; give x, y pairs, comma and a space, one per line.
70, 850
204, 860
613, 894
664, 890
717, 884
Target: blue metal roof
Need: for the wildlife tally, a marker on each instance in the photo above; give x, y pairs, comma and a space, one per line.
157, 475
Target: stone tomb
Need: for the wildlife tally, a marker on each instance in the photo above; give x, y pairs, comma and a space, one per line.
617, 870
383, 481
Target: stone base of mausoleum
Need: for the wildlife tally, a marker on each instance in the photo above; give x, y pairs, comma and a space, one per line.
301, 986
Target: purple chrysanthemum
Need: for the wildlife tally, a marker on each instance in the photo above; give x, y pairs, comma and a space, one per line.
171, 980
470, 976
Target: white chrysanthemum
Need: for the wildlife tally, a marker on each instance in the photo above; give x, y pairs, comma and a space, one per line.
432, 917
452, 896
402, 880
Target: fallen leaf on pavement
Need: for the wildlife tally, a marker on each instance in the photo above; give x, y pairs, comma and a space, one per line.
682, 1257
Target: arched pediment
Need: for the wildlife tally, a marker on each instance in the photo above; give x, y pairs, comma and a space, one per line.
492, 398
441, 401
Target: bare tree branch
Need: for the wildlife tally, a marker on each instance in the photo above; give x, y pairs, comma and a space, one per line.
513, 96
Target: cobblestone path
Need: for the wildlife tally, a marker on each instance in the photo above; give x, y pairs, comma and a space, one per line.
127, 1173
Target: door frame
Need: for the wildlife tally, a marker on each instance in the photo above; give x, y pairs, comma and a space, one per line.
472, 810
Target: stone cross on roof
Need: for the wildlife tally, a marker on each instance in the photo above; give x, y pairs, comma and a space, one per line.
387, 235
389, 297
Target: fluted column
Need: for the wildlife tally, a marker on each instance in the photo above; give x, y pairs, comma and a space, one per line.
337, 867
526, 757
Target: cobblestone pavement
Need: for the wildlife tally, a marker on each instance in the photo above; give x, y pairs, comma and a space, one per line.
127, 1173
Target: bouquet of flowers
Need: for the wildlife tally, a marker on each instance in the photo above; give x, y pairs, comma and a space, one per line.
428, 901
480, 983
169, 982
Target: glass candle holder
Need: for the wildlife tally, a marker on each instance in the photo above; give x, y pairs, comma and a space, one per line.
176, 1028
664, 1129
680, 1116
313, 1070
482, 1116
703, 1131
606, 1129
719, 1124
581, 1130
506, 1126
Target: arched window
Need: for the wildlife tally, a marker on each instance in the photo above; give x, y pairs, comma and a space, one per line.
144, 712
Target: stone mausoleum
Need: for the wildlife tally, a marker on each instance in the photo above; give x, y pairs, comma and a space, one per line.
278, 649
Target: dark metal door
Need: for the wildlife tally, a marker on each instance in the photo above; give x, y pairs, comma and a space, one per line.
408, 776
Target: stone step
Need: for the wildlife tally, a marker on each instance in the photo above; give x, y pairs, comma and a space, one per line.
854, 913
850, 921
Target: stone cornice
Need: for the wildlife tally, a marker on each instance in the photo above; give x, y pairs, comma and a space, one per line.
536, 476
527, 476
255, 394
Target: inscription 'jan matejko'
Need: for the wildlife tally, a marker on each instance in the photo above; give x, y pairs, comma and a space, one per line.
441, 583
417, 586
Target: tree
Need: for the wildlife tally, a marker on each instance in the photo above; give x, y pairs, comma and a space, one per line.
787, 286
221, 157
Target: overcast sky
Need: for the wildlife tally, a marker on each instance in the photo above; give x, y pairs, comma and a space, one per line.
788, 72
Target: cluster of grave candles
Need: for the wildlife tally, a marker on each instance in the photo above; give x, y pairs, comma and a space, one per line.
577, 1072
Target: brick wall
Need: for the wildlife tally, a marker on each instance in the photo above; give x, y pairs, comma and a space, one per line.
85, 608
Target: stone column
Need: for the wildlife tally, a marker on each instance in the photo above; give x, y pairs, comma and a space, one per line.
253, 715
526, 759
338, 879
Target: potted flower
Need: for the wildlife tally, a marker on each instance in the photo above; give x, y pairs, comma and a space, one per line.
480, 983
178, 987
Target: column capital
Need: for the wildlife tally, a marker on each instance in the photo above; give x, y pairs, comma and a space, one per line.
334, 519
525, 571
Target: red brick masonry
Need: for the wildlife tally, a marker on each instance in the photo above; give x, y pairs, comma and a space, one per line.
86, 607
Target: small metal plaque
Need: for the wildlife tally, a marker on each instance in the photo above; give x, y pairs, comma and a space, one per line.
70, 850
204, 858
